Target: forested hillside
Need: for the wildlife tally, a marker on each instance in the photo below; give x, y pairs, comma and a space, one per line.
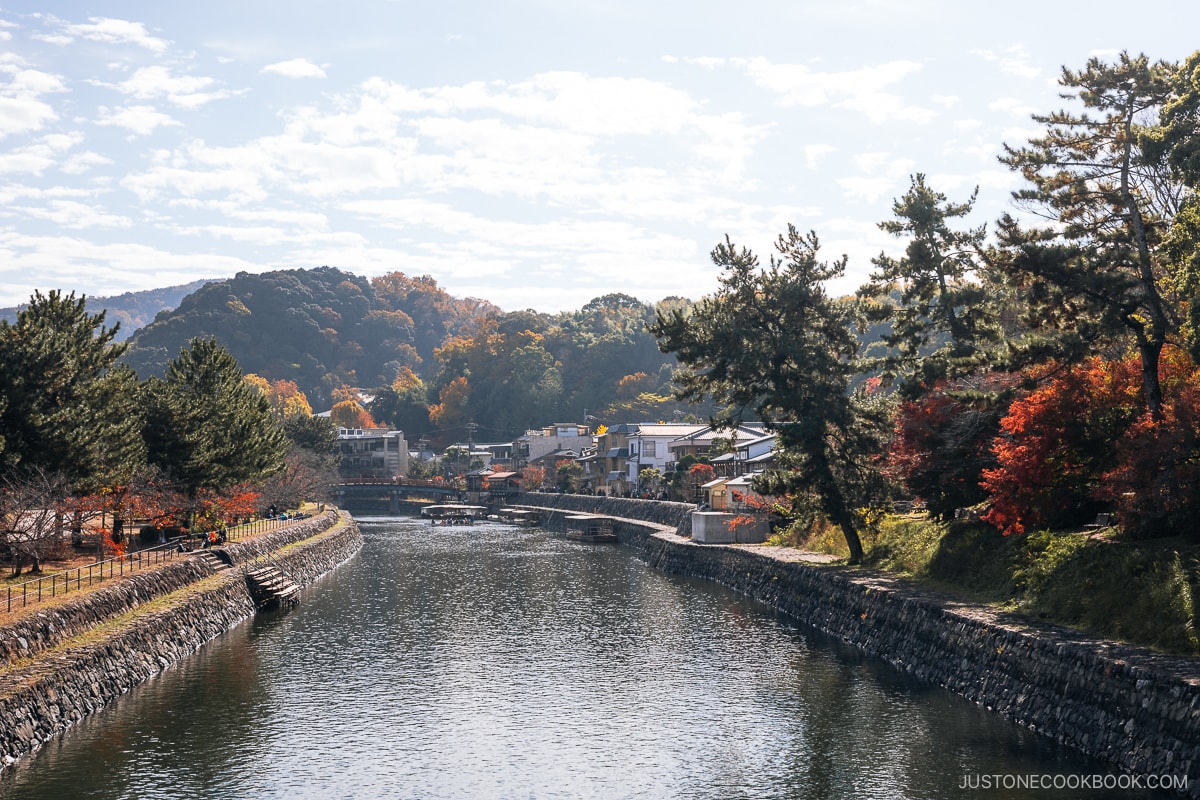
321, 328
433, 362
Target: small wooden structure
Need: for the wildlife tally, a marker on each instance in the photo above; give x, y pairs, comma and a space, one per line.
454, 514
590, 528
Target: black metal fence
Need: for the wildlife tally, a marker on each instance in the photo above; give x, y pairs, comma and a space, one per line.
20, 595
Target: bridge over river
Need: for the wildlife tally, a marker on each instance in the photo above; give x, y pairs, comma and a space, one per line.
391, 498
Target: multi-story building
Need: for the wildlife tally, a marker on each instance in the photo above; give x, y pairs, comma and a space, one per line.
372, 453
624, 450
700, 440
752, 455
535, 445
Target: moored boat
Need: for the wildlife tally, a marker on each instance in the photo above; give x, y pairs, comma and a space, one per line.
453, 514
592, 528
521, 517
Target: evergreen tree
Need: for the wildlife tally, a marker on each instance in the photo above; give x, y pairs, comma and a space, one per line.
317, 434
205, 427
772, 343
62, 410
1094, 275
1175, 142
943, 317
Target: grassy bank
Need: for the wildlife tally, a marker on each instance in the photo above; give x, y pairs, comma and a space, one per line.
1143, 592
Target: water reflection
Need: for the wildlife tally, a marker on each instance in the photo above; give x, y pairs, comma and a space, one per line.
492, 662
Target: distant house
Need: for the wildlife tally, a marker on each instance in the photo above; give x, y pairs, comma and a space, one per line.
484, 485
699, 441
754, 455
536, 445
605, 470
650, 447
377, 453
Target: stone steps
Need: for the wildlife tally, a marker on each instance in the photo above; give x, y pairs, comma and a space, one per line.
271, 588
211, 559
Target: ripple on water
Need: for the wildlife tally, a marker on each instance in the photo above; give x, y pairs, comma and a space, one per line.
491, 662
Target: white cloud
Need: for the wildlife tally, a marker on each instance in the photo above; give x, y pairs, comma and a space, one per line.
1013, 60
814, 154
295, 68
83, 162
142, 120
708, 62
1012, 106
860, 90
11, 193
116, 31
38, 262
75, 215
22, 109
36, 158
152, 82
557, 138
883, 174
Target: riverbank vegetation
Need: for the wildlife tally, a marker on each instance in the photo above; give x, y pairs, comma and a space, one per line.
87, 449
1033, 383
1091, 579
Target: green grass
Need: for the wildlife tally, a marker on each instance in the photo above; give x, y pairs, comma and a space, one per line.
1143, 592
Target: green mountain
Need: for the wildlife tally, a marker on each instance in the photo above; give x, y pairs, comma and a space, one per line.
132, 309
322, 328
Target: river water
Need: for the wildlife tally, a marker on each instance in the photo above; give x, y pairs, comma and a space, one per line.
493, 662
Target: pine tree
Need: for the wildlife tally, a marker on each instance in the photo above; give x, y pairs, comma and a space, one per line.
771, 343
1093, 275
1175, 143
205, 427
58, 409
943, 314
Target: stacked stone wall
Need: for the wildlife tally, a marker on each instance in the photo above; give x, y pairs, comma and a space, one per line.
677, 516
42, 696
1128, 706
51, 625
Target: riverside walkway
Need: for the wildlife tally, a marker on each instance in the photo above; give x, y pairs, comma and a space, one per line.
62, 583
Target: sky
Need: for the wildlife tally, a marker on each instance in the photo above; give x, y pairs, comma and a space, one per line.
534, 153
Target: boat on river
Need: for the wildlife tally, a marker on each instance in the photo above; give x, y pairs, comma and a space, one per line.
454, 514
521, 517
592, 528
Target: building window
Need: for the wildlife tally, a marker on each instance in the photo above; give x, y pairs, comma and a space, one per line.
649, 450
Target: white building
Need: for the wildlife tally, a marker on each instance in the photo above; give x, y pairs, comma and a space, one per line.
537, 444
650, 447
372, 453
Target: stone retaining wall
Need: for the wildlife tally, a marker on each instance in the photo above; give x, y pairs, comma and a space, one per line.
1128, 706
677, 516
48, 694
47, 627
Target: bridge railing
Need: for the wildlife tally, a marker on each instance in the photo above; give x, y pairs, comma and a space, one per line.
415, 482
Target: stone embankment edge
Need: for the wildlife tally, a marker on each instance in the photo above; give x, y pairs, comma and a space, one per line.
49, 626
1130, 707
140, 630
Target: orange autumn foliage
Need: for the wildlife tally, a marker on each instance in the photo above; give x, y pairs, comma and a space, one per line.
1083, 442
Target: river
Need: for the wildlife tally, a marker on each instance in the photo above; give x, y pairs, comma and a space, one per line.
493, 662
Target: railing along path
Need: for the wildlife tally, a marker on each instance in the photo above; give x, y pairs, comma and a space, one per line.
20, 595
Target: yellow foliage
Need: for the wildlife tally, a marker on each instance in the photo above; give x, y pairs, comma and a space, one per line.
350, 414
